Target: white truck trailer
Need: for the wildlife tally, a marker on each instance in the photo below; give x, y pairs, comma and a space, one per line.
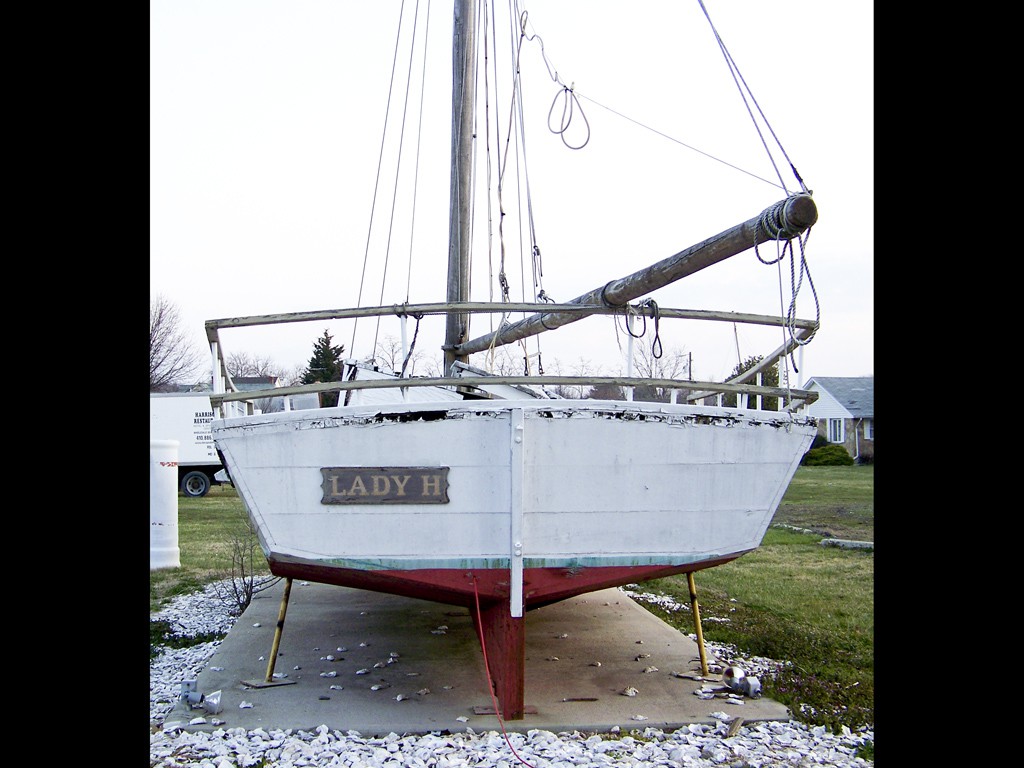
186, 417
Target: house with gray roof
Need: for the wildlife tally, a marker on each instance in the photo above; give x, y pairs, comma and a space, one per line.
845, 410
253, 383
243, 384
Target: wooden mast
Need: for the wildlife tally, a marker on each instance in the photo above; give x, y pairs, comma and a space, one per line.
459, 226
502, 635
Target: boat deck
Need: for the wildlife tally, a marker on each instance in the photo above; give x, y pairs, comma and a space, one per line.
565, 690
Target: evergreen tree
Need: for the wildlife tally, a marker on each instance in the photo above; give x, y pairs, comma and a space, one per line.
325, 365
769, 378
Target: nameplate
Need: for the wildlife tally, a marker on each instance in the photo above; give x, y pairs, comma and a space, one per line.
384, 485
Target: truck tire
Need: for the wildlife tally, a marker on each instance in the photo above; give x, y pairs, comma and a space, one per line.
195, 484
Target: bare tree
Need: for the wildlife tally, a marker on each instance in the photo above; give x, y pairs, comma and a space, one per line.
582, 367
510, 360
246, 364
431, 366
246, 579
674, 364
503, 361
389, 357
172, 358
293, 376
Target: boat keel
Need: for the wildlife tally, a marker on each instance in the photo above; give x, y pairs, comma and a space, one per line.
503, 643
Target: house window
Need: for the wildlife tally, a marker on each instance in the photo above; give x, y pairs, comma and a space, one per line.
835, 431
869, 429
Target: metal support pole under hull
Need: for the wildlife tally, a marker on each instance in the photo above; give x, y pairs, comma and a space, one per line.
696, 622
278, 631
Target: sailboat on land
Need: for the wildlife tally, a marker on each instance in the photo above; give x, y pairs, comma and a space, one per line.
498, 492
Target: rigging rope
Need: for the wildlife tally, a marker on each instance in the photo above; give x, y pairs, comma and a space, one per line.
536, 266
515, 137
376, 185
419, 142
568, 94
503, 284
575, 95
394, 193
677, 141
738, 78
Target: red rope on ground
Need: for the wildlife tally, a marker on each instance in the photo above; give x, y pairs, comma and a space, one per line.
490, 683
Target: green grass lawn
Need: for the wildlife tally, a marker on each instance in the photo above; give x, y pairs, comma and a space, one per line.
838, 501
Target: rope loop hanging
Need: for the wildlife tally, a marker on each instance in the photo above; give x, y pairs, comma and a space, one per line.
567, 93
775, 226
570, 104
657, 349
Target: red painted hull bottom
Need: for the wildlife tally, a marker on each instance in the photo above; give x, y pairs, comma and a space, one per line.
502, 636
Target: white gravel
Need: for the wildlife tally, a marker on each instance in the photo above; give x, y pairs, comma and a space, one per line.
755, 745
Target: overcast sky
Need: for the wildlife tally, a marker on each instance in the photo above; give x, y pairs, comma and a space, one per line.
265, 135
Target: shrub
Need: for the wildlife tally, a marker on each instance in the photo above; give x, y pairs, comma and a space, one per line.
831, 455
819, 441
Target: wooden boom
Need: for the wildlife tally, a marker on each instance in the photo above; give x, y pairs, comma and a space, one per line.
784, 220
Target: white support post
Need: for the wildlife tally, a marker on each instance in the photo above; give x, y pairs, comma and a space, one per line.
219, 384
629, 354
515, 598
405, 343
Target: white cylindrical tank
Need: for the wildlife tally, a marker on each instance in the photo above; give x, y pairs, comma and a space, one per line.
163, 505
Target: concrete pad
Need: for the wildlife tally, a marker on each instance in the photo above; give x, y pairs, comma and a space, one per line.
440, 673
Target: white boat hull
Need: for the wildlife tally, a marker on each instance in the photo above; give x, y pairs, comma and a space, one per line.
544, 499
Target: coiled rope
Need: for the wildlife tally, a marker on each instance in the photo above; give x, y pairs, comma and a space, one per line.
775, 226
656, 348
